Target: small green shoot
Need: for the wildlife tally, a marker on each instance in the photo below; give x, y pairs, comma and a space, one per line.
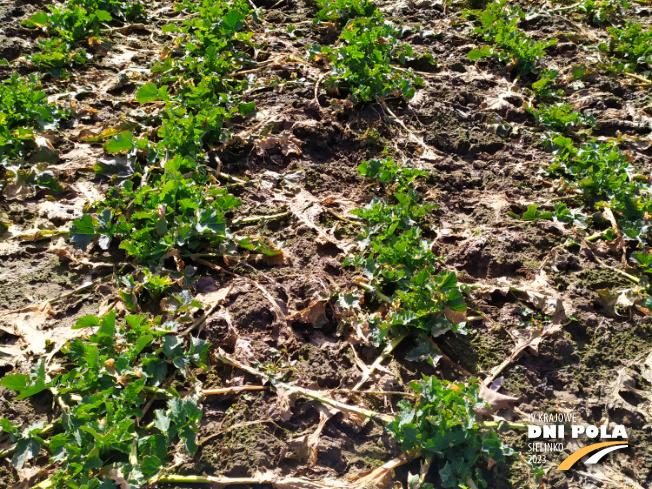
545, 88
499, 26
560, 117
630, 48
532, 214
442, 423
341, 11
363, 61
101, 391
396, 260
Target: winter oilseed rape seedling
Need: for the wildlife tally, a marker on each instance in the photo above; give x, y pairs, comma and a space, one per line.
442, 423
545, 88
597, 11
69, 24
341, 11
133, 286
362, 62
532, 214
498, 24
101, 390
397, 264
600, 11
605, 177
196, 116
24, 111
171, 212
183, 206
560, 117
561, 214
608, 181
211, 46
630, 48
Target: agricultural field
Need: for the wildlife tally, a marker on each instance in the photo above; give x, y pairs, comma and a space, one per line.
325, 244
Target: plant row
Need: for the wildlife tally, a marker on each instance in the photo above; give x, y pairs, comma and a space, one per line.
171, 200
597, 176
24, 114
104, 387
68, 25
407, 293
363, 61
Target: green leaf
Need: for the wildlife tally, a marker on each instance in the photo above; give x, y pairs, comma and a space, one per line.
88, 321
533, 213
349, 301
448, 476
34, 428
106, 332
130, 300
32, 390
57, 444
151, 465
199, 351
7, 427
37, 376
228, 202
122, 143
168, 28
172, 347
233, 20
162, 421
424, 351
141, 343
562, 141
39, 19
82, 232
15, 382
26, 449
158, 370
455, 301
187, 434
103, 16
177, 410
448, 280
161, 227
92, 356
479, 53
246, 108
210, 219
147, 93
